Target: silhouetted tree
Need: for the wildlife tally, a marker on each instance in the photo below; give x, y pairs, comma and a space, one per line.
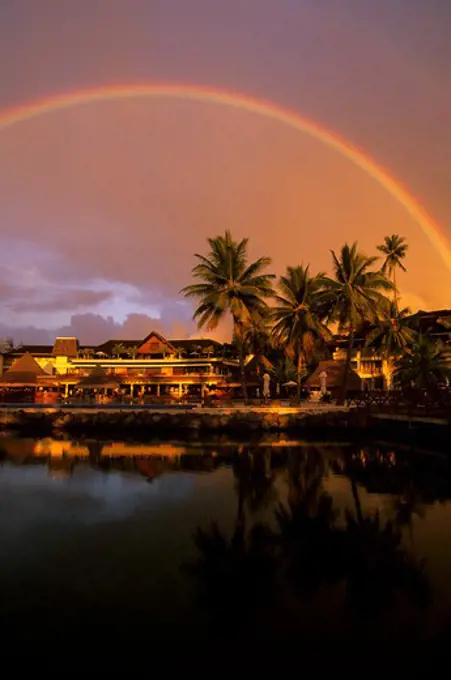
230, 284
353, 296
395, 250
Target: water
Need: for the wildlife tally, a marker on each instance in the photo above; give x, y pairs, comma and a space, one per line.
226, 550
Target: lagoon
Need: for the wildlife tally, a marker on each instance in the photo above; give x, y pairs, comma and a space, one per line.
119, 549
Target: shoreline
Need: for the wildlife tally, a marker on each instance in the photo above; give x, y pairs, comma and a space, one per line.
191, 420
320, 422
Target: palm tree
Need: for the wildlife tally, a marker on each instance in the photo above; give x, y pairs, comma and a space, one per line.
395, 249
6, 345
258, 342
297, 326
352, 297
425, 365
230, 284
209, 350
133, 351
284, 370
391, 335
197, 350
181, 352
118, 349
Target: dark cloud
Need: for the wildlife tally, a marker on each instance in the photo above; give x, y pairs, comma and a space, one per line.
62, 299
93, 329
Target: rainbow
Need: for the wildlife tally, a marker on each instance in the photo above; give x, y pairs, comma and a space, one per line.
59, 102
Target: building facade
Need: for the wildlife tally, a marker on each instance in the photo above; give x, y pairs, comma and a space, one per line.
154, 366
373, 368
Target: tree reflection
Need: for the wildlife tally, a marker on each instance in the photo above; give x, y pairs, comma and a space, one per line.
378, 568
234, 576
254, 481
306, 473
413, 481
306, 562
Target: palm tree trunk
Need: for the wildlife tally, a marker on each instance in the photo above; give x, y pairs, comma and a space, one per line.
389, 373
358, 505
344, 384
242, 368
242, 473
299, 369
395, 290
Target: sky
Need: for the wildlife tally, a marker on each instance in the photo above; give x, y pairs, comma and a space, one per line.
103, 205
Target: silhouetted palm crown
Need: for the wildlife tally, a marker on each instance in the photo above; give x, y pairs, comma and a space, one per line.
395, 249
295, 316
392, 334
356, 293
426, 364
228, 283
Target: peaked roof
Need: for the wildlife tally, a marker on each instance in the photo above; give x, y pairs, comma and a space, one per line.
48, 368
187, 344
65, 347
159, 337
25, 370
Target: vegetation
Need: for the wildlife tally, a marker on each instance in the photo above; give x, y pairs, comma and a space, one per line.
258, 343
392, 334
6, 345
133, 351
424, 365
284, 370
296, 317
230, 284
306, 308
353, 296
118, 349
395, 250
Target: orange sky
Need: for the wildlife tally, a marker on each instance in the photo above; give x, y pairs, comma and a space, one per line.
128, 190
103, 206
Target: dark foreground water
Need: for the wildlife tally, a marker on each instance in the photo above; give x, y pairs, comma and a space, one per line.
281, 555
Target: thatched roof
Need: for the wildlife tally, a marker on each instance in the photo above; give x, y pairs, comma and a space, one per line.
98, 378
65, 347
335, 371
24, 371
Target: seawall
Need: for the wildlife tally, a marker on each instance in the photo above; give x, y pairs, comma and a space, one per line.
154, 422
319, 423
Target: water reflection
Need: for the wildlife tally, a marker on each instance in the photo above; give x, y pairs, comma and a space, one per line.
284, 543
306, 552
149, 460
